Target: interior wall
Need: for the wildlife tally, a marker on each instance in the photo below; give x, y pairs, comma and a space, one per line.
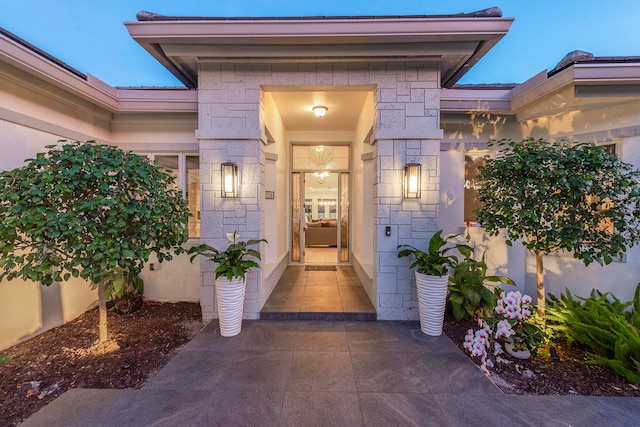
363, 175
276, 180
275, 210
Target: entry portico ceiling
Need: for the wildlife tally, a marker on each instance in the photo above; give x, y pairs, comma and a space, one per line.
454, 42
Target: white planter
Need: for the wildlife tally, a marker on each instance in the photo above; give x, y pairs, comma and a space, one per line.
432, 297
230, 304
509, 347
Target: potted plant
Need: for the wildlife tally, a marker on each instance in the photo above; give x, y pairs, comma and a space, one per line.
233, 264
432, 268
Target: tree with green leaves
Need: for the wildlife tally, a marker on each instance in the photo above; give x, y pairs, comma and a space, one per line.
558, 196
88, 210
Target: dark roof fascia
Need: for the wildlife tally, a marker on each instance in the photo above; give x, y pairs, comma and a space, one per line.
8, 34
597, 60
485, 86
143, 15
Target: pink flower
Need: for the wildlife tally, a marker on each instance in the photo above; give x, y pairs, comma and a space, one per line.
526, 299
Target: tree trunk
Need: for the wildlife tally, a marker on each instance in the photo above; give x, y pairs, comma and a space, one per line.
542, 302
102, 307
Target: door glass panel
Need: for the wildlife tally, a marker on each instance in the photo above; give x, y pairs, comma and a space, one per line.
321, 226
321, 157
344, 217
295, 217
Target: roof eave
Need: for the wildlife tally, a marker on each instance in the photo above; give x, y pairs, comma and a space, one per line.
290, 36
32, 61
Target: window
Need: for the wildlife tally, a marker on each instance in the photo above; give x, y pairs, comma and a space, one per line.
327, 208
308, 209
186, 169
603, 205
472, 160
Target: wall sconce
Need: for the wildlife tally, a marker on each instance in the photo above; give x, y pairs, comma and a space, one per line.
319, 110
229, 173
412, 181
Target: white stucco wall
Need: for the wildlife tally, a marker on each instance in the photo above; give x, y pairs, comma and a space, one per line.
500, 258
613, 123
28, 308
34, 114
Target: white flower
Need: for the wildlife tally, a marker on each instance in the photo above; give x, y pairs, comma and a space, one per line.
503, 329
484, 370
526, 299
232, 237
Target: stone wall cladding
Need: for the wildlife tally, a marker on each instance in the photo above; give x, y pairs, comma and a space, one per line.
407, 130
411, 221
408, 99
226, 215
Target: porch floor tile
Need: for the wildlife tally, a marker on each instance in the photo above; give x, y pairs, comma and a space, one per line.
318, 295
308, 373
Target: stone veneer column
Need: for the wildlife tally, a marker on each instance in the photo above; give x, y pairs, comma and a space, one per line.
408, 131
229, 98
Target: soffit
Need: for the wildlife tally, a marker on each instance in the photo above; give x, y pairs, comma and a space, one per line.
455, 43
580, 87
294, 107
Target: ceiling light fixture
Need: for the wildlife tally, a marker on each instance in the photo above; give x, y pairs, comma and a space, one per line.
319, 110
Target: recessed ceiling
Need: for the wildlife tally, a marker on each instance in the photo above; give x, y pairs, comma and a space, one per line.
295, 108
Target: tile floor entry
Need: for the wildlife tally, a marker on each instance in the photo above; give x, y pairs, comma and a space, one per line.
318, 295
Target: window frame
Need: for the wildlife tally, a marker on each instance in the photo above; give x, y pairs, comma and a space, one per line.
491, 154
183, 179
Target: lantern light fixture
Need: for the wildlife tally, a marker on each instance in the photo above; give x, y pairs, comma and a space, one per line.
412, 181
229, 173
320, 110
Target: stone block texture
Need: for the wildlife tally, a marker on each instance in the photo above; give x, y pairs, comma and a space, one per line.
406, 129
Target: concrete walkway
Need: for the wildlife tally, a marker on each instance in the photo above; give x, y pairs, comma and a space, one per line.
308, 373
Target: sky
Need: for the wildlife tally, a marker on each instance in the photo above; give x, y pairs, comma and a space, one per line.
89, 35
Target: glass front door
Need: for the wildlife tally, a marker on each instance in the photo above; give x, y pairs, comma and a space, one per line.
320, 205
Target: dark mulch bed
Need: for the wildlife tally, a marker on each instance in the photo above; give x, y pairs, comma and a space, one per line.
540, 374
44, 367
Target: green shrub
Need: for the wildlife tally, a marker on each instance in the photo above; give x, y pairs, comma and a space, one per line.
469, 296
604, 324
